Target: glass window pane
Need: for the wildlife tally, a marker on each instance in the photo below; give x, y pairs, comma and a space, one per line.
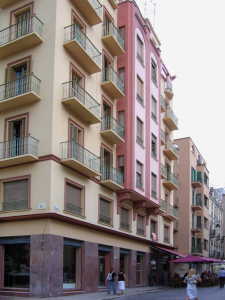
70, 267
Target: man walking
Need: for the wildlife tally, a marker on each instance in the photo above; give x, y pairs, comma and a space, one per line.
221, 276
110, 277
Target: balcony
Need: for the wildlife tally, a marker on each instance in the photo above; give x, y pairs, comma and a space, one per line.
20, 36
163, 172
171, 182
171, 151
124, 226
171, 213
162, 208
175, 226
82, 49
112, 38
163, 138
80, 159
111, 178
139, 184
15, 205
104, 219
168, 89
91, 10
196, 250
112, 83
170, 119
166, 240
176, 202
18, 151
74, 209
140, 231
196, 183
112, 130
113, 3
21, 91
196, 205
163, 104
196, 228
81, 103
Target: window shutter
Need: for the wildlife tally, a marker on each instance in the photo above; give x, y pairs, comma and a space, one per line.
139, 87
166, 232
73, 195
124, 215
139, 128
154, 182
29, 66
23, 127
16, 190
140, 222
121, 117
10, 130
121, 161
9, 74
138, 167
73, 133
105, 208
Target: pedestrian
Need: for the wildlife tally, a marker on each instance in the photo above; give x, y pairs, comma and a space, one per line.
121, 282
192, 279
110, 277
221, 276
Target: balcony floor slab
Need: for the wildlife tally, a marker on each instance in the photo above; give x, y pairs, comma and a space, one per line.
19, 100
88, 11
112, 185
76, 165
112, 136
112, 89
170, 123
170, 154
16, 160
170, 185
112, 44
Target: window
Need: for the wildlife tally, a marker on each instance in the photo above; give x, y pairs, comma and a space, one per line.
18, 142
76, 142
77, 87
107, 116
154, 185
23, 24
74, 199
122, 73
140, 50
78, 31
198, 245
154, 111
154, 146
122, 31
105, 212
154, 71
124, 219
205, 201
193, 197
153, 228
199, 176
199, 221
140, 90
138, 175
193, 174
198, 199
121, 164
205, 179
139, 132
16, 194
192, 149
205, 223
140, 225
166, 234
107, 64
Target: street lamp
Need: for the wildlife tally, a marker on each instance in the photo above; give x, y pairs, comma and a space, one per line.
217, 225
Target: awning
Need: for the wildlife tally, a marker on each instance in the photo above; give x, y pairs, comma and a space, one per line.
171, 251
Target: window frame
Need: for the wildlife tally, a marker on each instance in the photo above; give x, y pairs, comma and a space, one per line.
139, 175
154, 114
156, 227
111, 203
153, 175
154, 143
138, 138
140, 93
154, 72
144, 223
129, 209
140, 55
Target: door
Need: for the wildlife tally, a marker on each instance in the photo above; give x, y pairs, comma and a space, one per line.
124, 264
78, 34
101, 268
106, 117
76, 88
199, 221
17, 142
23, 24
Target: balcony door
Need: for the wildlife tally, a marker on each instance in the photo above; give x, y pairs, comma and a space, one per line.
16, 144
78, 34
106, 161
107, 65
23, 24
106, 117
76, 90
75, 148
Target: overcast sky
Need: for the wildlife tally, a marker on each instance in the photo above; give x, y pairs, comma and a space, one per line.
192, 34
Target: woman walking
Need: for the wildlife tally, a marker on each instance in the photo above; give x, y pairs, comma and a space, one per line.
192, 279
121, 282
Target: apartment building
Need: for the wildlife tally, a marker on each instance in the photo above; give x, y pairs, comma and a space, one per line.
192, 234
216, 223
80, 149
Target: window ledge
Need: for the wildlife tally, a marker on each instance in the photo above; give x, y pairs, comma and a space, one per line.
15, 210
140, 145
105, 224
125, 230
78, 216
140, 188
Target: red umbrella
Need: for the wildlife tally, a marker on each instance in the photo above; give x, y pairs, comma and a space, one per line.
190, 259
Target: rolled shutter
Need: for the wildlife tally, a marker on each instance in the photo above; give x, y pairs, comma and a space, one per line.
73, 195
124, 215
121, 161
138, 167
121, 117
140, 222
105, 208
166, 232
153, 106
153, 182
139, 46
16, 190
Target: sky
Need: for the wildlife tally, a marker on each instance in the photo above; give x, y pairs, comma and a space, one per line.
192, 36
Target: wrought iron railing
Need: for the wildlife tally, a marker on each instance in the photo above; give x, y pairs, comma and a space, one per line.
170, 113
21, 29
97, 6
73, 209
166, 239
163, 170
154, 116
110, 29
72, 149
173, 178
163, 102
170, 145
19, 86
173, 211
140, 231
73, 89
154, 77
15, 205
139, 140
154, 194
168, 87
74, 32
163, 136
110, 75
139, 184
110, 123
19, 146
124, 226
140, 98
105, 219
110, 173
163, 205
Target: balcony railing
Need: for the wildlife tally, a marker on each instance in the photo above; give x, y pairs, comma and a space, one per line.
97, 6
110, 29
20, 146
199, 178
170, 145
110, 173
197, 226
110, 75
169, 113
124, 226
110, 123
173, 178
139, 184
168, 87
20, 86
163, 170
163, 103
140, 98
163, 136
73, 89
74, 32
15, 205
166, 240
72, 149
74, 209
140, 231
105, 219
154, 154
21, 29
163, 205
173, 211
197, 249
154, 194
139, 140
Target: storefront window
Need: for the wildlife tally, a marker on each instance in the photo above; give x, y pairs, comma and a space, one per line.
17, 265
102, 268
139, 269
71, 278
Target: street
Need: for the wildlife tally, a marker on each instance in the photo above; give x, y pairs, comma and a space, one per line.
180, 294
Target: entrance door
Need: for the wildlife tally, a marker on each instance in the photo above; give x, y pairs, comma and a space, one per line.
16, 138
101, 268
23, 24
124, 264
139, 270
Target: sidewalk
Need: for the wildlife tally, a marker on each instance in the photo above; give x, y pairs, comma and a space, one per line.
99, 295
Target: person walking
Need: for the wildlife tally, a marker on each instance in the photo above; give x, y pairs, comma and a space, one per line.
192, 279
110, 277
121, 282
221, 276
